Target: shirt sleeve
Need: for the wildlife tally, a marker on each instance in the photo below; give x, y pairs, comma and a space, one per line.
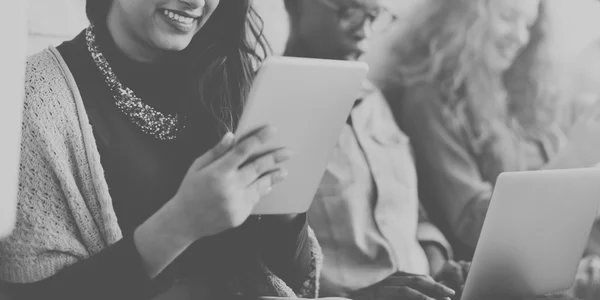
449, 178
427, 232
115, 273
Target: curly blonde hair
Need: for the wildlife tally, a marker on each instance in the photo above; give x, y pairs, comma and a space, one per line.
445, 49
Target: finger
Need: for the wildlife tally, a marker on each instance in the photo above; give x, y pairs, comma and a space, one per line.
466, 267
246, 148
268, 162
430, 287
401, 293
215, 153
422, 283
402, 279
264, 185
455, 276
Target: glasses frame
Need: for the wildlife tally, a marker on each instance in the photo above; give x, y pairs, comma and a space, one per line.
370, 15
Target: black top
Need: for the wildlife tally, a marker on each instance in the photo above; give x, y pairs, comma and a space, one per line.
143, 173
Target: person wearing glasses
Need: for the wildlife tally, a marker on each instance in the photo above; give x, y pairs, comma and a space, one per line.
366, 214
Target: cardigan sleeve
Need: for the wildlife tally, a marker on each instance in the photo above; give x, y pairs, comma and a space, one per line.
47, 235
60, 245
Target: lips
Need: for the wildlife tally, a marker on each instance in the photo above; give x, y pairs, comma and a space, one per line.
185, 14
181, 17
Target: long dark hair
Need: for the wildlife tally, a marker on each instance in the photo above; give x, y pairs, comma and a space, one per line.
222, 57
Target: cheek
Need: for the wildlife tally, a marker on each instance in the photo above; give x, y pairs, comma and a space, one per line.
211, 6
500, 32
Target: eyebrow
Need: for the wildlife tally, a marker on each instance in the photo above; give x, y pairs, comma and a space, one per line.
353, 3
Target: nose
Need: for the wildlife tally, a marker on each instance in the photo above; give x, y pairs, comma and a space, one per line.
364, 31
194, 4
522, 34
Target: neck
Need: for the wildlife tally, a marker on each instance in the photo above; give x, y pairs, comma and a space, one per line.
126, 41
297, 47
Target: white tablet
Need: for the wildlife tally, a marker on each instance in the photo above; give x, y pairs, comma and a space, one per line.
308, 101
534, 234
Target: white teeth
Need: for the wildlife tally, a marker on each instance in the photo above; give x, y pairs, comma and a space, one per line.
178, 18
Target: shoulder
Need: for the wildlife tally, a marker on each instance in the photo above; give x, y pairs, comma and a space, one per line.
50, 116
375, 98
424, 111
49, 90
46, 73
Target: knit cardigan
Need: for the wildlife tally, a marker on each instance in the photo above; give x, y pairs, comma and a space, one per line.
65, 213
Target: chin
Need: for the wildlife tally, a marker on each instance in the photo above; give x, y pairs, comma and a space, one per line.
354, 51
174, 44
501, 64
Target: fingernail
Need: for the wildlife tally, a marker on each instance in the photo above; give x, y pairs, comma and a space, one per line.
449, 290
280, 176
283, 173
285, 154
228, 138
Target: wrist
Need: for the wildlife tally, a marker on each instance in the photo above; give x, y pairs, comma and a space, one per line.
167, 223
436, 255
159, 241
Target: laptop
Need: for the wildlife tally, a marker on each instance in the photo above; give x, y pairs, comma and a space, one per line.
534, 234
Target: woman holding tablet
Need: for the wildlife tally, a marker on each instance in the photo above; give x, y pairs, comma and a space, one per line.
122, 191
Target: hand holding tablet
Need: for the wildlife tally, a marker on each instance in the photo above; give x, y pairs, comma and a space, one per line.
308, 101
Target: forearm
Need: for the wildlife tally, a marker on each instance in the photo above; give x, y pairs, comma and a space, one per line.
429, 234
468, 225
434, 243
157, 242
436, 256
115, 273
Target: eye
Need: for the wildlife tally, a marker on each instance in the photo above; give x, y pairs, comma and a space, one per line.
349, 12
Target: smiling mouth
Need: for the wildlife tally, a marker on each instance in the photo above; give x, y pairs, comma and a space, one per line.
180, 17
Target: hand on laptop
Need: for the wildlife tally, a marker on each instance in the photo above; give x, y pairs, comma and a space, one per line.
412, 287
587, 282
454, 274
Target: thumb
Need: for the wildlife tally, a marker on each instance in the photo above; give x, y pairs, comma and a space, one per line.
215, 153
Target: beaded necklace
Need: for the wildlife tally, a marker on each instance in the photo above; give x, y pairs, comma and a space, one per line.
149, 120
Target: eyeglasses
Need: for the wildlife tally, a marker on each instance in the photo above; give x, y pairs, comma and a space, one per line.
354, 15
